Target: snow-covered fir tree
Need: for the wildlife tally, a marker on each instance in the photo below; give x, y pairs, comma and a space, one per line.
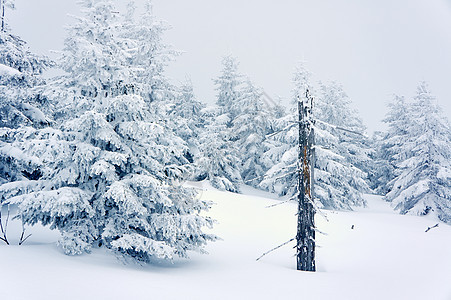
339, 182
389, 146
217, 156
240, 123
21, 104
218, 159
249, 130
20, 73
228, 85
341, 155
422, 185
147, 57
186, 112
147, 54
282, 154
114, 177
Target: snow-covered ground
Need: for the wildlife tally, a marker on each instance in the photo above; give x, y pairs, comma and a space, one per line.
385, 256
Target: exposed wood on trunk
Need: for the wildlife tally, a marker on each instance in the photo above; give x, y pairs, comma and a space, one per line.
305, 237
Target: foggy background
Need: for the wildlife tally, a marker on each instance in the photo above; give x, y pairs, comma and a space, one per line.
374, 48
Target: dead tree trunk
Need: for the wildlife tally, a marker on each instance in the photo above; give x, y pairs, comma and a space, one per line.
305, 237
2, 4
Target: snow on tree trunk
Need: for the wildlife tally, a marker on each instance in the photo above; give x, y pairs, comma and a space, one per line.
339, 182
305, 237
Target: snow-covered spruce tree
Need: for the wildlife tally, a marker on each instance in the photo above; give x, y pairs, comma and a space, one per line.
217, 156
20, 72
340, 154
117, 171
282, 147
147, 54
382, 172
423, 184
249, 130
147, 57
21, 106
186, 113
389, 146
338, 181
229, 85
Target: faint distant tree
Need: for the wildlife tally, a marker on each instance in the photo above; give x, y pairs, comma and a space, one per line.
228, 86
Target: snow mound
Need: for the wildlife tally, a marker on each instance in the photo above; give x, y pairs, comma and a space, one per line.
8, 71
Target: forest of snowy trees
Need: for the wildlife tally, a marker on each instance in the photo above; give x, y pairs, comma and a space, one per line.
102, 152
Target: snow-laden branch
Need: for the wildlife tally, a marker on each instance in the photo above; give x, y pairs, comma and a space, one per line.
339, 128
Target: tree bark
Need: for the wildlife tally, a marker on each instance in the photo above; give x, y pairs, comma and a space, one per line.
305, 236
2, 3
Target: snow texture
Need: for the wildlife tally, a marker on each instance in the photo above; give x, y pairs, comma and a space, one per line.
386, 256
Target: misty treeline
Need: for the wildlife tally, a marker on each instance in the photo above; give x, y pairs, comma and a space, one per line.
102, 152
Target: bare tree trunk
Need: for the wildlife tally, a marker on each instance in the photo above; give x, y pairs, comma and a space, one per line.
305, 236
2, 3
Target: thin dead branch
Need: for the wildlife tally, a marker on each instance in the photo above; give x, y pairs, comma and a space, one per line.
4, 229
273, 249
429, 228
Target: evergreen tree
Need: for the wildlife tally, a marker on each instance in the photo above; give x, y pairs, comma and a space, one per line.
422, 183
20, 75
389, 146
338, 154
21, 104
228, 85
217, 158
147, 55
249, 130
282, 154
186, 112
115, 174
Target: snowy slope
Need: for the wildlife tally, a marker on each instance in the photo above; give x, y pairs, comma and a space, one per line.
385, 256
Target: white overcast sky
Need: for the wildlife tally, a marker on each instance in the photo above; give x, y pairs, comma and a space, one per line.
374, 48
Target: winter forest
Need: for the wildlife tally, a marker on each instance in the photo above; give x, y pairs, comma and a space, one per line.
112, 159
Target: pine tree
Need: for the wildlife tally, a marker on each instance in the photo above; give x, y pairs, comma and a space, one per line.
217, 158
147, 58
422, 186
338, 180
228, 85
186, 112
390, 144
249, 130
147, 54
22, 106
340, 154
115, 175
282, 177
20, 75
